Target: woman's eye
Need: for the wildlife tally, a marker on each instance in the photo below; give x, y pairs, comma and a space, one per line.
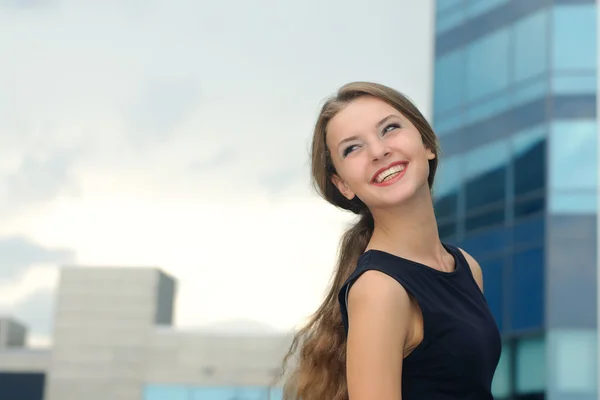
390, 128
349, 149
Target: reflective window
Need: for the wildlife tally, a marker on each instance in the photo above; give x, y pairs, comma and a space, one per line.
574, 84
230, 393
531, 47
446, 187
487, 65
528, 207
530, 365
527, 290
487, 242
443, 5
501, 383
166, 392
492, 279
574, 42
448, 123
529, 159
573, 155
485, 174
529, 90
573, 365
448, 20
478, 7
531, 230
485, 219
449, 79
447, 230
174, 392
488, 108
581, 202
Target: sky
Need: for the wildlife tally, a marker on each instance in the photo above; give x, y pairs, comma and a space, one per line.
175, 134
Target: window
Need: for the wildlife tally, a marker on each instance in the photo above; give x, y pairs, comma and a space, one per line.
487, 109
166, 392
488, 242
448, 20
530, 90
574, 84
529, 159
527, 207
447, 230
487, 65
573, 365
527, 290
583, 202
443, 5
501, 384
530, 230
478, 7
574, 37
174, 392
531, 45
492, 279
573, 155
449, 78
485, 174
230, 393
446, 187
530, 366
485, 219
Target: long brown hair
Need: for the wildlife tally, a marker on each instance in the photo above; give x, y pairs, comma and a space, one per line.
319, 349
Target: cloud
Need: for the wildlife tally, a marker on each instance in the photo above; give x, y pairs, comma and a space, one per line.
35, 279
26, 4
161, 105
40, 178
36, 310
18, 253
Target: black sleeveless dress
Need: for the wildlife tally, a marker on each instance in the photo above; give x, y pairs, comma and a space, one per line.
461, 347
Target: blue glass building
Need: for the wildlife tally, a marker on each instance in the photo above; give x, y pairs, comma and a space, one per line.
515, 110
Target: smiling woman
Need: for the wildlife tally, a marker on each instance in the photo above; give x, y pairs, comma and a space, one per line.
405, 317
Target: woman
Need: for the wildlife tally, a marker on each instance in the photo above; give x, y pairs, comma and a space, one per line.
405, 317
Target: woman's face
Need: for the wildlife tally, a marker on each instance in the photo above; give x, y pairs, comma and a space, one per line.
378, 154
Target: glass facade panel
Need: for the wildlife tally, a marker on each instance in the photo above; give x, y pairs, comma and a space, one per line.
478, 7
449, 81
451, 19
574, 157
443, 5
573, 364
530, 90
574, 84
446, 187
529, 231
485, 174
530, 365
166, 392
492, 278
529, 160
490, 241
527, 290
531, 46
581, 202
489, 108
574, 37
175, 392
501, 387
485, 219
488, 65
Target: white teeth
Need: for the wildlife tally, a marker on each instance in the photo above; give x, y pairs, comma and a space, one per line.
390, 173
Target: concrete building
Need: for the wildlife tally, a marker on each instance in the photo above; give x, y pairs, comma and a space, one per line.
515, 109
113, 339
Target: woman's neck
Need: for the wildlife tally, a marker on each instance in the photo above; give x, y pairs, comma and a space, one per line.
409, 231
